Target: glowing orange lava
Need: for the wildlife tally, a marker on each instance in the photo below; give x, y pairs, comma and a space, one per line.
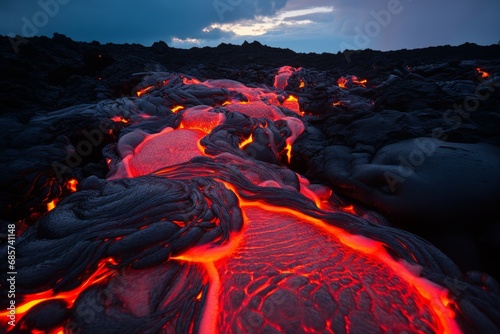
200, 118
177, 108
166, 148
342, 82
279, 247
288, 150
483, 73
72, 185
286, 270
190, 81
284, 73
290, 259
350, 209
357, 81
292, 103
103, 271
246, 142
51, 205
118, 119
144, 90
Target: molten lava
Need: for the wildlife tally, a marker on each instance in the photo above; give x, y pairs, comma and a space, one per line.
72, 185
167, 147
246, 142
102, 272
51, 205
118, 119
144, 91
287, 265
251, 245
483, 74
292, 103
177, 108
281, 78
284, 259
357, 81
344, 81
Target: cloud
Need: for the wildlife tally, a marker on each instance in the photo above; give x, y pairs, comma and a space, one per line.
261, 25
186, 41
286, 23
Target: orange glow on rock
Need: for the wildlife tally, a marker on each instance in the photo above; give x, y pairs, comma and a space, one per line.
319, 194
118, 119
144, 91
199, 296
484, 74
246, 141
288, 150
342, 82
177, 108
72, 185
191, 81
349, 209
51, 205
302, 84
357, 81
292, 103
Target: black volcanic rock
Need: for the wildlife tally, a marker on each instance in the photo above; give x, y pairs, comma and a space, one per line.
43, 69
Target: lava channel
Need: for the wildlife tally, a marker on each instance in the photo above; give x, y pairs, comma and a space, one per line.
288, 272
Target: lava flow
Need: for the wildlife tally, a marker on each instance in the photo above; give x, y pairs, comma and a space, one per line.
286, 270
202, 227
290, 271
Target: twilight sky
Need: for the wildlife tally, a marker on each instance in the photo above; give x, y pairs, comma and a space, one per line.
301, 25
